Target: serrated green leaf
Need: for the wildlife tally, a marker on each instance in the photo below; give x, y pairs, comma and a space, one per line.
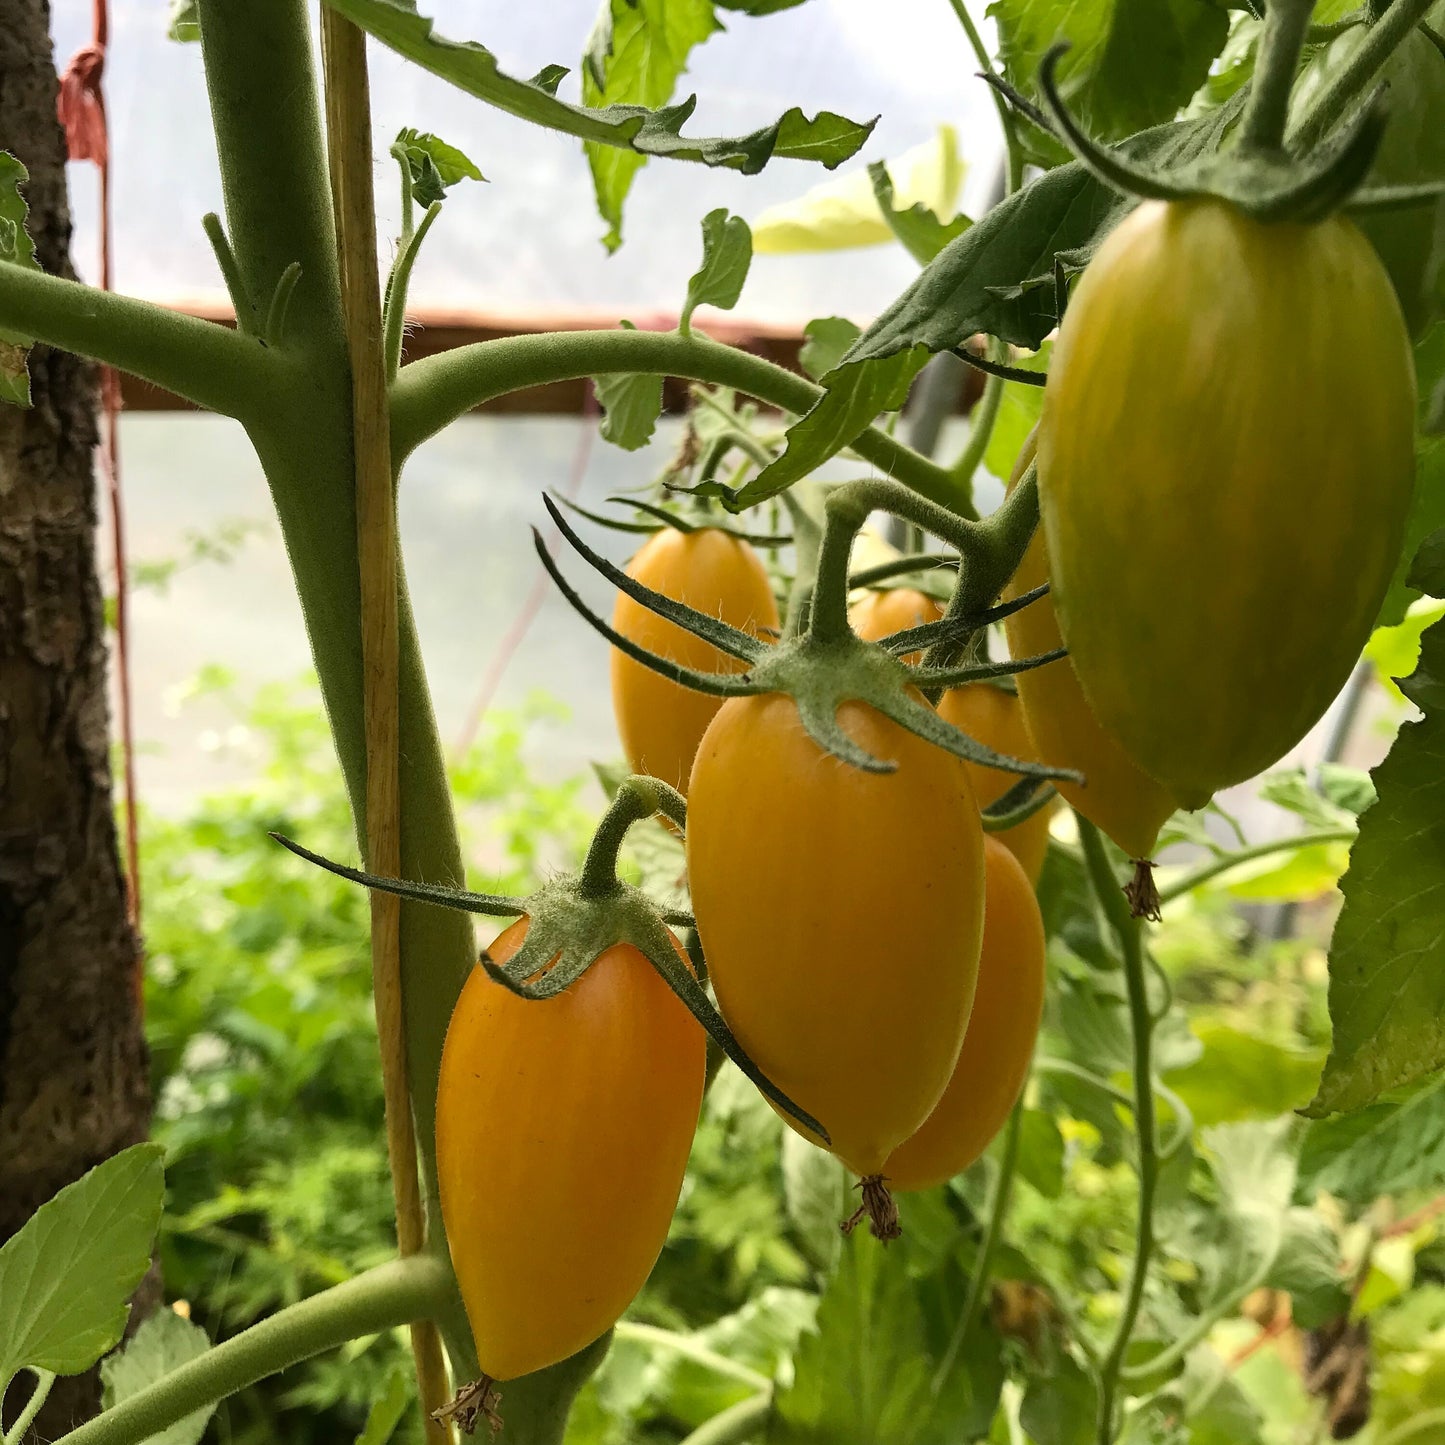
631, 404
844, 212
815, 1194
1241, 1075
1387, 957
758, 7
866, 1374
1293, 877
828, 139
826, 339
1131, 63
1041, 1153
1388, 1148
16, 249
434, 165
922, 233
855, 396
998, 277
67, 1277
386, 1410
727, 252
163, 1343
636, 53
1018, 413
1427, 567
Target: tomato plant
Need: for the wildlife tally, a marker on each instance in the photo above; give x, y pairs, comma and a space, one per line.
1235, 482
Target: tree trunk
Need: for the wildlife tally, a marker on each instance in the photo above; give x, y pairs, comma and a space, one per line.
73, 1075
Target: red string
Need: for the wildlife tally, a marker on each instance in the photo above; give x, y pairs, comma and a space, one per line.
80, 106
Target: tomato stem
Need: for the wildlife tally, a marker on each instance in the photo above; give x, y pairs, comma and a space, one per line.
636, 798
1129, 931
1275, 68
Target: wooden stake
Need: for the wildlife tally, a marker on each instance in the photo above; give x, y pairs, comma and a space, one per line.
348, 124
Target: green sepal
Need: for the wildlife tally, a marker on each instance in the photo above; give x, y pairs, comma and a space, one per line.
956, 629
1020, 374
1018, 804
938, 677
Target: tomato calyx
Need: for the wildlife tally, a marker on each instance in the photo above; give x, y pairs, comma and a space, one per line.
879, 1208
475, 1401
573, 921
661, 517
825, 664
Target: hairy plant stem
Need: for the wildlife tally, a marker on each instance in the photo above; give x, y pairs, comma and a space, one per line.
1006, 117
637, 798
993, 1232
44, 1379
736, 1425
1267, 111
1129, 931
1353, 78
393, 1294
431, 393
688, 1347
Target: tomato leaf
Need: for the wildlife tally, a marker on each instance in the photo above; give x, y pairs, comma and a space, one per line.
917, 227
386, 1410
631, 404
1133, 63
815, 1195
828, 139
1390, 1147
998, 276
1041, 1153
163, 1343
1242, 1075
827, 339
866, 1374
184, 21
855, 396
67, 1277
16, 249
727, 252
1060, 1407
1387, 957
434, 165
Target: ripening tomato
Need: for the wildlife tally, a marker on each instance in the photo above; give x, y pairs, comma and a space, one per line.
1117, 795
563, 1129
878, 614
1226, 459
841, 913
996, 719
661, 722
999, 1044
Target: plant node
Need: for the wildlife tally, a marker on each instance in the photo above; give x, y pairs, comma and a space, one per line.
477, 1400
1141, 892
878, 1206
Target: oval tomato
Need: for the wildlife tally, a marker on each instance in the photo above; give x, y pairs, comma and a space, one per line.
563, 1129
841, 913
661, 722
999, 1044
878, 614
1117, 796
1226, 457
996, 718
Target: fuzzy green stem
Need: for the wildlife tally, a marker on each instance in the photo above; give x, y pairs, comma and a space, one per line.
1192, 880
1130, 934
216, 368
1275, 68
686, 1346
985, 414
1418, 1427
431, 393
381, 1299
736, 1425
44, 1379
1006, 117
397, 285
1351, 80
993, 1233
241, 303
637, 798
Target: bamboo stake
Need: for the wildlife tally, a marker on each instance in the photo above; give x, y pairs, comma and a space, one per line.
348, 123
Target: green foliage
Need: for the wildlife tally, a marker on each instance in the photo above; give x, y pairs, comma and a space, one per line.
727, 252
66, 1277
163, 1343
16, 249
827, 339
433, 165
631, 404
917, 226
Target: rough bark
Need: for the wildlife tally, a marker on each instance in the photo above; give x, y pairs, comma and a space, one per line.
73, 1075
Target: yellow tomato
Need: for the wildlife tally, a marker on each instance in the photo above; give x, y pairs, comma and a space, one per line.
1117, 795
563, 1129
1226, 461
878, 614
661, 722
999, 1044
841, 913
996, 718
